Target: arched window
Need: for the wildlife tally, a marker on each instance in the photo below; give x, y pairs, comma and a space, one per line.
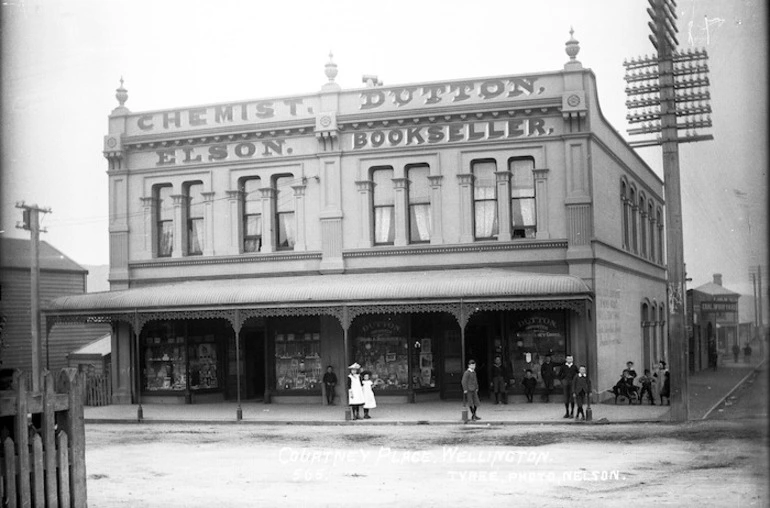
164, 220
634, 223
642, 226
646, 346
194, 216
661, 242
523, 217
384, 223
484, 200
419, 203
625, 215
651, 222
252, 214
284, 212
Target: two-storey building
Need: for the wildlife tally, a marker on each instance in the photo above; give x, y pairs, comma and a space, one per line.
408, 228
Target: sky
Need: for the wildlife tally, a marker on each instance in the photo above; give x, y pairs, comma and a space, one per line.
62, 61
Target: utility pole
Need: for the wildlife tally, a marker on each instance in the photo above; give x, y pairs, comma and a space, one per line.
667, 94
31, 222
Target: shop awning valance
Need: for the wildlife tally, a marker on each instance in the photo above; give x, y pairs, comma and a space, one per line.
359, 293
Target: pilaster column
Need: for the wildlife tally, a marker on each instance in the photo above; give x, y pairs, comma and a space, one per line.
400, 212
466, 207
180, 231
235, 206
365, 205
208, 221
541, 203
268, 219
299, 217
148, 209
436, 233
503, 182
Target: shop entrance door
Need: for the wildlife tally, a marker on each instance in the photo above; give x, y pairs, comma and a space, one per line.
477, 348
452, 366
253, 375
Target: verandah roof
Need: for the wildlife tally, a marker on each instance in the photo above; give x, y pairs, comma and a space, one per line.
334, 289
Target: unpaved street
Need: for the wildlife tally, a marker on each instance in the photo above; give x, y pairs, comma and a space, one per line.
714, 463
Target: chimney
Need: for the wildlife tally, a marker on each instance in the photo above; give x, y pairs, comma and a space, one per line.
718, 279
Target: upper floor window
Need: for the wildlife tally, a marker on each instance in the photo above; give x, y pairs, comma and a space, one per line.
384, 226
624, 204
651, 222
284, 212
194, 214
660, 236
419, 204
484, 200
634, 223
523, 220
642, 227
164, 220
252, 214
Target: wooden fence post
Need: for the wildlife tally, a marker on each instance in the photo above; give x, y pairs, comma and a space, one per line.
10, 472
49, 438
38, 473
77, 437
21, 433
63, 457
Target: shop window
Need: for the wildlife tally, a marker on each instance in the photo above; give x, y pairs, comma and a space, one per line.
380, 347
484, 200
194, 214
384, 224
252, 214
523, 221
424, 358
419, 204
532, 337
284, 212
298, 354
164, 220
174, 360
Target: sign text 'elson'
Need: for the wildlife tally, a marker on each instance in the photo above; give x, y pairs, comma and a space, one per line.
453, 132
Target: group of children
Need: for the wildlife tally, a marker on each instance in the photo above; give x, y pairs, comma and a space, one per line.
360, 392
627, 384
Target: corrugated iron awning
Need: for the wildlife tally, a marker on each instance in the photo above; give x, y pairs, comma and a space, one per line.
333, 289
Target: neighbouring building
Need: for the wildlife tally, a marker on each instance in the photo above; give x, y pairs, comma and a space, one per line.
712, 323
59, 276
407, 228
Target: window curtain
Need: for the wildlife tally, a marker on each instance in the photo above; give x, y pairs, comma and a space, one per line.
486, 219
383, 225
286, 232
419, 224
166, 238
195, 236
252, 233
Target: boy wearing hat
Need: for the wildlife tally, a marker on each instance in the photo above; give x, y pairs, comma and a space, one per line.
470, 384
355, 391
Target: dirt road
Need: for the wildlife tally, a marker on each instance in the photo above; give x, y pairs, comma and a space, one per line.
712, 463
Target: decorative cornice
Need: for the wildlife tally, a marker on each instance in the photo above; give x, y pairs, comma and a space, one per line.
364, 185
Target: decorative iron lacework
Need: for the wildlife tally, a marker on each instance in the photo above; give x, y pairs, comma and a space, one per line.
51, 320
354, 311
145, 317
336, 312
577, 306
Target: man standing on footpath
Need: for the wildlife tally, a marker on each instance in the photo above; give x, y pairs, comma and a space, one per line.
546, 372
470, 384
567, 376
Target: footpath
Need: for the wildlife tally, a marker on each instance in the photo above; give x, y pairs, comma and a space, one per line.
708, 389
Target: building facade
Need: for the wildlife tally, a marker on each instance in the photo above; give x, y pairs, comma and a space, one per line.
408, 228
713, 324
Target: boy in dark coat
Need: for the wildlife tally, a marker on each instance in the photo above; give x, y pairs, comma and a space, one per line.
330, 383
582, 388
498, 380
567, 374
470, 384
529, 382
546, 372
646, 382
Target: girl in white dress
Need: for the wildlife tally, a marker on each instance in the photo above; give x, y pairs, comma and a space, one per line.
355, 391
369, 402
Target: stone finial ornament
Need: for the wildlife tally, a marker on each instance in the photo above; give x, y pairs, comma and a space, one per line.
121, 94
572, 46
331, 69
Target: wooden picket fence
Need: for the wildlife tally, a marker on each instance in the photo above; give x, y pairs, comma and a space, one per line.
42, 457
98, 389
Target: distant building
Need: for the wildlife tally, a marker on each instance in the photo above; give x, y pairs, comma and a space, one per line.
713, 323
407, 228
59, 275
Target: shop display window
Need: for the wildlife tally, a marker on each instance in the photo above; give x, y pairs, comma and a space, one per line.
165, 365
533, 336
380, 347
298, 355
202, 352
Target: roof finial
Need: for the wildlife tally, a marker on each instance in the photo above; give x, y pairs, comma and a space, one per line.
331, 68
121, 94
572, 49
